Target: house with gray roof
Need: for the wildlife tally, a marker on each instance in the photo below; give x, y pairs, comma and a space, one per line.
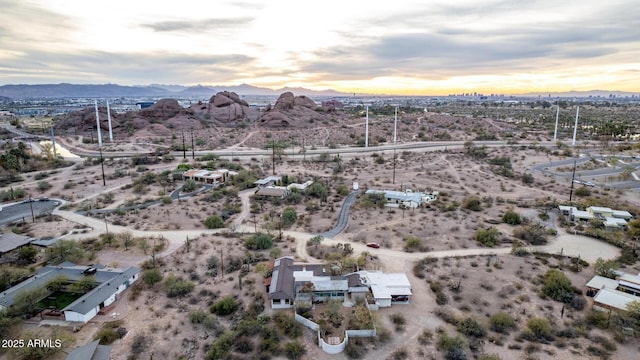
292, 282
91, 351
111, 282
11, 241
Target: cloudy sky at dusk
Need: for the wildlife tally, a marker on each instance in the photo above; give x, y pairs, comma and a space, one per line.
400, 47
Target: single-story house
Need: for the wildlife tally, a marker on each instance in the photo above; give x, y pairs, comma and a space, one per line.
612, 219
291, 282
91, 351
268, 181
213, 177
406, 198
387, 288
303, 186
273, 191
111, 282
614, 294
11, 241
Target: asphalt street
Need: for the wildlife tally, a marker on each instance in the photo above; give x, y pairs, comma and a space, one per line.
22, 210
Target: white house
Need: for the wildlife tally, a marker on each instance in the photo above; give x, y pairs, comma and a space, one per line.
111, 282
288, 284
614, 294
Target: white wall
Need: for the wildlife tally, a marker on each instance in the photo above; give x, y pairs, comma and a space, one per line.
279, 304
75, 316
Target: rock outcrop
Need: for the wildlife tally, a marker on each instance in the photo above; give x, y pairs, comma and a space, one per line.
290, 111
228, 108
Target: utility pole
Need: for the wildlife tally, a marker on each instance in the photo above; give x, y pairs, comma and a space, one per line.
104, 182
573, 178
273, 157
33, 218
53, 142
193, 147
395, 127
394, 170
98, 125
366, 129
184, 148
555, 132
575, 128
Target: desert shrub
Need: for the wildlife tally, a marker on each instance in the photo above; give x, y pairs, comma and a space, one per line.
355, 349
511, 217
606, 268
151, 277
189, 186
540, 328
488, 237
260, 241
556, 285
441, 298
398, 320
472, 203
534, 234
214, 222
177, 287
243, 345
453, 347
470, 327
489, 357
288, 325
400, 353
413, 243
578, 302
501, 322
197, 316
294, 350
527, 178
221, 346
583, 191
107, 336
426, 337
225, 306
289, 217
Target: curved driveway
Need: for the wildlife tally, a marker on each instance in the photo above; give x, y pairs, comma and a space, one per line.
343, 218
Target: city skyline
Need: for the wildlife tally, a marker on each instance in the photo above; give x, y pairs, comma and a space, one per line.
406, 48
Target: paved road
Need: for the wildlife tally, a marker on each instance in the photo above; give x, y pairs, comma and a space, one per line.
343, 218
19, 211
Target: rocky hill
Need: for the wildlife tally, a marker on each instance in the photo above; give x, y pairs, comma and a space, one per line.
295, 111
159, 119
225, 108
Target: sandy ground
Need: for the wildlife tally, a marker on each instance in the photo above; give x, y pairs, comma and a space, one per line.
443, 234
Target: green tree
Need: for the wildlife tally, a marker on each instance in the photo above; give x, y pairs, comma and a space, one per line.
289, 217
556, 284
606, 268
65, 250
214, 222
583, 191
83, 285
26, 301
151, 277
259, 241
189, 186
316, 240
27, 253
57, 283
633, 308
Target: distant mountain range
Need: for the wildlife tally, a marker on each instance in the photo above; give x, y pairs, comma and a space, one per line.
155, 90
17, 92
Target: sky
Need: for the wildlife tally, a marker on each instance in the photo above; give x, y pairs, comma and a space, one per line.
427, 47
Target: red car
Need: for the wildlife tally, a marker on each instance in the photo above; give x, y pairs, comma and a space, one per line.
373, 245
